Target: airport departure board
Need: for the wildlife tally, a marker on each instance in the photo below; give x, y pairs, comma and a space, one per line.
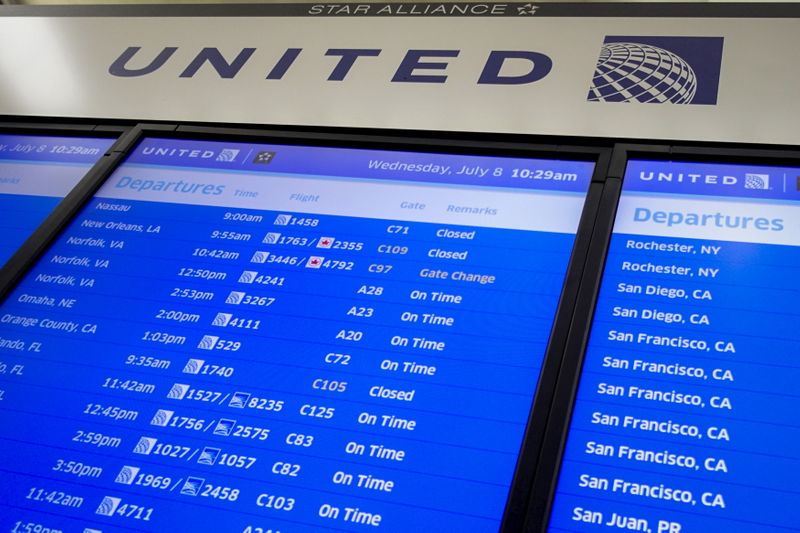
686, 418
252, 338
36, 172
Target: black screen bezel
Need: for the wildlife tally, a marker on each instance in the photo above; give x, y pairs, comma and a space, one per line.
51, 129
516, 510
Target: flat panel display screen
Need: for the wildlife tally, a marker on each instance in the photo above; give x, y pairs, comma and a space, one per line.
686, 414
251, 338
36, 172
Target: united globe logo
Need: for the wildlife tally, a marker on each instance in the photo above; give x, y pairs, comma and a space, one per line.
633, 72
657, 70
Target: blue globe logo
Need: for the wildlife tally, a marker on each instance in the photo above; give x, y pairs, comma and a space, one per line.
633, 72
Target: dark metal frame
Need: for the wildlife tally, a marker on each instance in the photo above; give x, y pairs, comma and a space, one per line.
516, 512
31, 245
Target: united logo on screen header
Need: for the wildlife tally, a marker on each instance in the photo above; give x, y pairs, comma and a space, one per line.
753, 181
226, 155
657, 70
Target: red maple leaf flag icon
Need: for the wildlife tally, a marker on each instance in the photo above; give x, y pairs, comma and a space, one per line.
314, 261
325, 242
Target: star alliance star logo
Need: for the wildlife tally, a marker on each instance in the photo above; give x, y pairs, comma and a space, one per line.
527, 9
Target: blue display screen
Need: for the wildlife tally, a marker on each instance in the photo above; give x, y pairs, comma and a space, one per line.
686, 415
35, 174
250, 338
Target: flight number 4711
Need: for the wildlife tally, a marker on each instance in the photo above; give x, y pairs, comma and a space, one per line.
126, 510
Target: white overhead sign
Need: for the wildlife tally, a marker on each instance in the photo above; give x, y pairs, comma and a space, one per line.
715, 79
